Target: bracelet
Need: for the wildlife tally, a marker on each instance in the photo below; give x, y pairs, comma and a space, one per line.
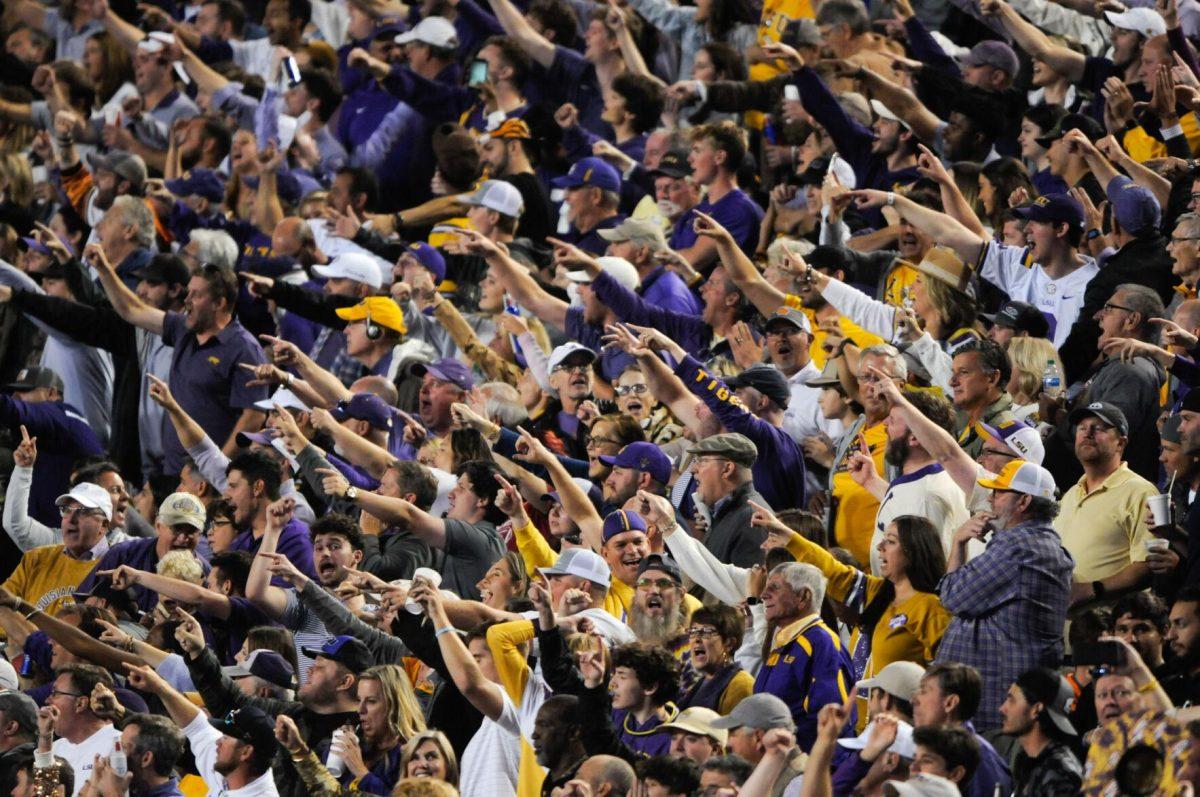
32, 612
446, 629
891, 199
398, 220
288, 382
129, 643
1149, 686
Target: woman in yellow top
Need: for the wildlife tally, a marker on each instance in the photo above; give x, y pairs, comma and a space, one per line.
901, 617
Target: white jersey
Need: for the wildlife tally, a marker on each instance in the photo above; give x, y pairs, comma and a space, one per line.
1013, 271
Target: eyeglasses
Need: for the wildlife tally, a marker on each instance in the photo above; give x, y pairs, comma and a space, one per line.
68, 694
1111, 306
998, 453
658, 583
189, 532
582, 368
700, 632
593, 442
636, 390
1178, 238
870, 378
68, 511
1115, 694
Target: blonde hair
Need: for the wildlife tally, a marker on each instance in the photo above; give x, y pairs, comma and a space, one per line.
424, 787
444, 747
17, 177
404, 716
182, 565
1028, 357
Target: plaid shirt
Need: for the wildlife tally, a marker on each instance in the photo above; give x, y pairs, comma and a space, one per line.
1009, 606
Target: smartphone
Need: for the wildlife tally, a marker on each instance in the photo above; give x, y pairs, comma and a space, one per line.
478, 73
291, 71
791, 93
1096, 653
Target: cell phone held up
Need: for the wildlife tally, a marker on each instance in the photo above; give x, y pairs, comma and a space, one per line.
1095, 654
478, 73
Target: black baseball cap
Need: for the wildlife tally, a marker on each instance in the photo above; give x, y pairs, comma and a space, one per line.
1109, 413
1072, 121
248, 724
265, 664
673, 164
345, 650
1021, 316
34, 377
767, 380
664, 563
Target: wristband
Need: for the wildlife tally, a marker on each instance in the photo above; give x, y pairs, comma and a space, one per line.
288, 382
447, 629
891, 199
1092, 234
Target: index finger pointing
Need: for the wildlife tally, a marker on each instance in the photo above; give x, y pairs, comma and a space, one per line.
24, 434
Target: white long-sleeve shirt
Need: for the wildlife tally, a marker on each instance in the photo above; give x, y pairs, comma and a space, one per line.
203, 739
27, 532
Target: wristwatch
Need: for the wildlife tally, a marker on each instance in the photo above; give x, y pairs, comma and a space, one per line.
1092, 234
351, 493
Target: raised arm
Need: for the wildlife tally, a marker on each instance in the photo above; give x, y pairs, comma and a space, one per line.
427, 528
575, 501
517, 26
123, 300
942, 228
269, 598
900, 101
71, 638
210, 602
762, 294
483, 694
1029, 38
663, 384
323, 383
517, 280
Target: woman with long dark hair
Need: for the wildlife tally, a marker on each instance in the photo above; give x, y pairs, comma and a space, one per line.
901, 617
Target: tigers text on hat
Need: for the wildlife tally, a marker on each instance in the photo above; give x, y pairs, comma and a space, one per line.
89, 496
620, 522
1019, 476
735, 447
1111, 414
182, 509
498, 195
1020, 438
353, 266
644, 457
434, 31
379, 310
582, 563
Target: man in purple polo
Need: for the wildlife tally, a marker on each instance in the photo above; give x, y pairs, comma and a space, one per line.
252, 484
639, 241
178, 527
210, 345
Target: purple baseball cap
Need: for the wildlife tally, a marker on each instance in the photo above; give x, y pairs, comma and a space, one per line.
430, 258
35, 245
1134, 207
365, 407
645, 457
1053, 208
447, 370
621, 521
995, 54
591, 172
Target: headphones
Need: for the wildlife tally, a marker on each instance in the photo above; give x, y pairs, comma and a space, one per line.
374, 331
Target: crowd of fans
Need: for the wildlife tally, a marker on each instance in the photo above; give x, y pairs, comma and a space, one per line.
599, 399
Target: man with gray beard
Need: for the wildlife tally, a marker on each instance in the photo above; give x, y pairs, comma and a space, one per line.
923, 488
657, 612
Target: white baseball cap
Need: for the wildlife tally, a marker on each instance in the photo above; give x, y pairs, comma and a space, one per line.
620, 269
1143, 20
883, 112
353, 266
156, 41
582, 563
434, 31
564, 351
899, 679
904, 746
8, 676
284, 398
1020, 438
498, 195
1022, 477
922, 785
91, 496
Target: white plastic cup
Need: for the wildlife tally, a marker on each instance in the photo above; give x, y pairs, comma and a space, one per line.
433, 577
1157, 545
1160, 509
333, 762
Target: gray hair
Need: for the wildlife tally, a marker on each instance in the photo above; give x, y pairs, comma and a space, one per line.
158, 735
844, 12
800, 576
1146, 303
216, 247
891, 354
19, 707
1191, 220
503, 404
135, 213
